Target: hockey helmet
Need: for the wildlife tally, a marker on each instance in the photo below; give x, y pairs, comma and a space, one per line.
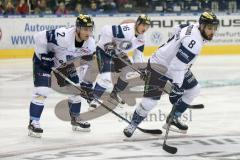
143, 19
84, 21
208, 18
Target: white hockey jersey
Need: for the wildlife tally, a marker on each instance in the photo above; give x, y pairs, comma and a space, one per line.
180, 51
61, 42
124, 37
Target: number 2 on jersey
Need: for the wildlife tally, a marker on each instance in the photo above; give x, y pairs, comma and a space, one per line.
61, 34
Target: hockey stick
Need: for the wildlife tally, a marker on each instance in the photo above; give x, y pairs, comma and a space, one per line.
165, 89
150, 131
168, 86
196, 106
167, 148
171, 149
128, 64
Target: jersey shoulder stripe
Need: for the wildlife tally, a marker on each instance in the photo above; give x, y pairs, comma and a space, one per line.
185, 55
189, 30
117, 31
183, 25
51, 37
141, 48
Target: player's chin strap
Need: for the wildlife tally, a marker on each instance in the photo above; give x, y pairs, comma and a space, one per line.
84, 94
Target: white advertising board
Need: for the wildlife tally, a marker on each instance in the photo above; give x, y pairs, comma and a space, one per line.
17, 33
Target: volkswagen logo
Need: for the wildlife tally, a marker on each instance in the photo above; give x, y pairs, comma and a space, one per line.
156, 38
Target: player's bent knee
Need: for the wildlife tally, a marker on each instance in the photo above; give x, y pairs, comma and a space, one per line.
145, 106
40, 94
43, 91
161, 69
82, 72
105, 80
190, 94
74, 99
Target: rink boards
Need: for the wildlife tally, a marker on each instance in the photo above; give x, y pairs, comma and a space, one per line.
18, 42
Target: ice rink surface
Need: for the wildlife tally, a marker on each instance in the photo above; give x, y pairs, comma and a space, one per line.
214, 132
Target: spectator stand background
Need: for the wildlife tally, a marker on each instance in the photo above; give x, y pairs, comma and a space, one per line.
94, 7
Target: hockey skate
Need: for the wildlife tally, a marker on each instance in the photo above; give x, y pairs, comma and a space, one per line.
78, 125
176, 125
114, 95
129, 130
34, 129
93, 104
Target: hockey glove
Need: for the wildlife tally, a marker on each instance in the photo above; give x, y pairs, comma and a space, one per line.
69, 71
87, 89
109, 48
47, 61
175, 94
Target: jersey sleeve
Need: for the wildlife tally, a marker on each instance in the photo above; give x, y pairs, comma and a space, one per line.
91, 45
138, 54
106, 36
128, 30
123, 31
117, 31
40, 46
176, 29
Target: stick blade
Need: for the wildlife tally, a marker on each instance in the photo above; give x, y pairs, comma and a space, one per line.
196, 106
151, 131
169, 149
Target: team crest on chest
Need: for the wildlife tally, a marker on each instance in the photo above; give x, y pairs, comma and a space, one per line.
125, 45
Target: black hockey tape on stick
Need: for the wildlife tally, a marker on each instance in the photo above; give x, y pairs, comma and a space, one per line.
196, 106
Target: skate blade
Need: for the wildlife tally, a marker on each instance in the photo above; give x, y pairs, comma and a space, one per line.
33, 134
174, 129
79, 129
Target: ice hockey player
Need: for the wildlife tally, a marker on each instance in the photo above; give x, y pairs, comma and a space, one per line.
52, 49
177, 55
116, 41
